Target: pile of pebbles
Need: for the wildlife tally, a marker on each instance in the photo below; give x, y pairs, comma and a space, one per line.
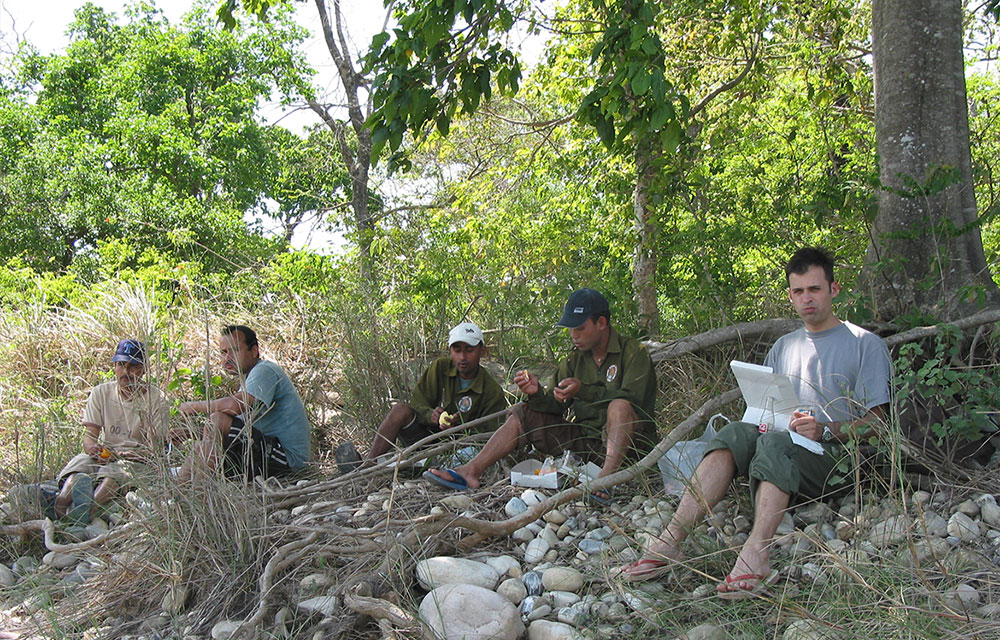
553, 579
556, 575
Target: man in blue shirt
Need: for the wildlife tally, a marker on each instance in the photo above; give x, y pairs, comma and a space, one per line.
263, 427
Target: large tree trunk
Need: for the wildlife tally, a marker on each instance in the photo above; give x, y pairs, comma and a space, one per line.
645, 258
926, 251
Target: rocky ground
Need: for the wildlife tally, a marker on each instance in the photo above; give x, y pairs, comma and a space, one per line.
553, 578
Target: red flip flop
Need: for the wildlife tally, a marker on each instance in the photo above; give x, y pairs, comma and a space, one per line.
760, 588
644, 569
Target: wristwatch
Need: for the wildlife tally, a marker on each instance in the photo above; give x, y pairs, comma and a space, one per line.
827, 434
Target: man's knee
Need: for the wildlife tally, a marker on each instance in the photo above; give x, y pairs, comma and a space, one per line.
621, 413
401, 411
221, 422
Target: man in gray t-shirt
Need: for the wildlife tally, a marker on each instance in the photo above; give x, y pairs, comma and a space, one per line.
841, 373
263, 426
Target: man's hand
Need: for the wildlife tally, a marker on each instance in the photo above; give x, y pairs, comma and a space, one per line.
188, 408
92, 449
805, 425
527, 382
436, 418
566, 389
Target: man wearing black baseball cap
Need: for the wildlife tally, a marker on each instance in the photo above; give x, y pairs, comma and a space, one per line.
123, 420
599, 405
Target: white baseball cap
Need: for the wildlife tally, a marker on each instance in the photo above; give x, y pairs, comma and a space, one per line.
466, 332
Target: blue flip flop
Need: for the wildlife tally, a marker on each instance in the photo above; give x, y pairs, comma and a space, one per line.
594, 498
456, 483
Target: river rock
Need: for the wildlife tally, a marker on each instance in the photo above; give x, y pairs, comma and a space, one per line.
808, 630
562, 599
224, 629
60, 560
813, 513
25, 565
505, 566
7, 578
536, 550
969, 508
555, 516
324, 606
964, 596
515, 507
435, 572
532, 583
458, 501
548, 534
990, 513
963, 527
465, 611
562, 579
706, 631
574, 615
524, 534
173, 600
931, 525
532, 497
590, 547
548, 630
920, 498
889, 532
786, 526
513, 589
315, 581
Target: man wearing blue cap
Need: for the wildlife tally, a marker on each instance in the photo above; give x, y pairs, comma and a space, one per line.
125, 419
600, 403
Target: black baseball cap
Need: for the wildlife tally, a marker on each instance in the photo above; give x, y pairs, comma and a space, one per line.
582, 304
130, 351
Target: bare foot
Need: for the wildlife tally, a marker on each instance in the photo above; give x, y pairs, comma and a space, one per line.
658, 559
753, 565
470, 480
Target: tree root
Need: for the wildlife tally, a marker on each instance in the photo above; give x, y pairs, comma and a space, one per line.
48, 529
383, 610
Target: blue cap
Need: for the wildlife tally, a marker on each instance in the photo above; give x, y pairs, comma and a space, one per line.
582, 304
130, 351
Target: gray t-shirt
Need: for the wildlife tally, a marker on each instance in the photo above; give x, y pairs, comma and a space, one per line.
842, 372
279, 411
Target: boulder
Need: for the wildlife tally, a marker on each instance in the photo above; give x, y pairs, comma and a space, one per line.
435, 572
469, 612
548, 630
963, 527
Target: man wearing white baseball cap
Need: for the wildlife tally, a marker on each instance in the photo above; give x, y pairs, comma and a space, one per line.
453, 390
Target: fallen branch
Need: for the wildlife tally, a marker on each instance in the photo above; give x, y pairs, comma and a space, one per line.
405, 458
384, 610
487, 529
985, 316
48, 529
776, 327
283, 556
744, 331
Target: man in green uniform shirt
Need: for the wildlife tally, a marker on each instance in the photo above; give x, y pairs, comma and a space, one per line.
455, 387
600, 404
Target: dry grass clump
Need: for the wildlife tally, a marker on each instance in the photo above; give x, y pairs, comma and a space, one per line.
204, 544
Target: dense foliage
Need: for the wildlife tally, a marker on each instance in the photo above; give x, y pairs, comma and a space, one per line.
139, 152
